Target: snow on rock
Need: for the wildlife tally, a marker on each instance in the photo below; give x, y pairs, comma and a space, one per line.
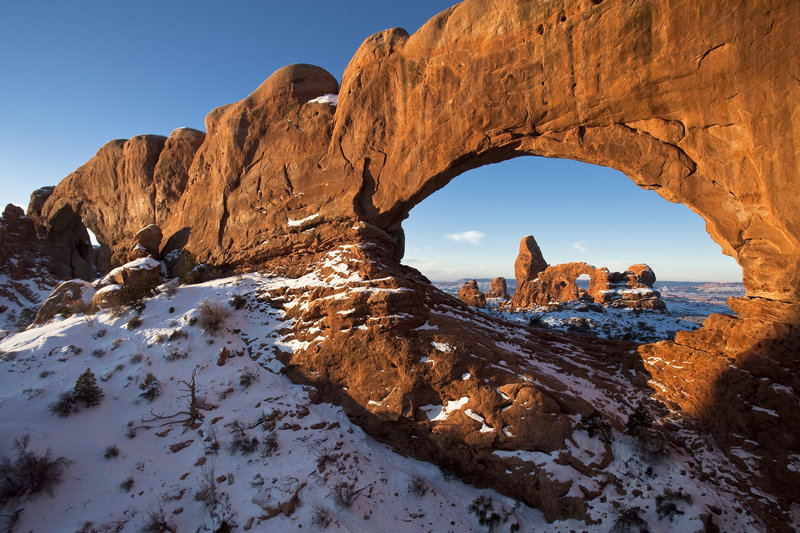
297, 223
331, 99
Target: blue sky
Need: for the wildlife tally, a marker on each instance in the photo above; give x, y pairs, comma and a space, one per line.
78, 74
576, 212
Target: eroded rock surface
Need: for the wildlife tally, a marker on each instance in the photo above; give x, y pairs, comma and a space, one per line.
471, 295
695, 101
498, 289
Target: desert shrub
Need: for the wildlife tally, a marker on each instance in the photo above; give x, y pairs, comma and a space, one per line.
270, 444
136, 358
174, 354
127, 485
324, 458
448, 469
112, 452
595, 425
132, 297
237, 301
629, 521
29, 472
99, 352
86, 390
212, 315
99, 334
666, 503
134, 322
247, 377
177, 334
150, 388
344, 495
537, 322
640, 420
64, 406
187, 269
130, 430
241, 441
417, 486
157, 522
320, 517
215, 501
483, 508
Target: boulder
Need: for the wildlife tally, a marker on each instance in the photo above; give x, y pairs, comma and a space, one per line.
498, 289
640, 276
471, 295
529, 262
108, 296
140, 276
74, 296
146, 242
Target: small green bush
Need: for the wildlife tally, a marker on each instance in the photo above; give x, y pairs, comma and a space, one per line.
86, 390
594, 424
639, 421
150, 388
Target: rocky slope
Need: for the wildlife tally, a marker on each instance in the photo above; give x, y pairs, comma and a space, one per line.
495, 404
310, 180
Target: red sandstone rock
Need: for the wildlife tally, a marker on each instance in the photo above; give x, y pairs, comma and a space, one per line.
146, 242
529, 262
640, 275
679, 104
471, 295
498, 289
139, 275
74, 296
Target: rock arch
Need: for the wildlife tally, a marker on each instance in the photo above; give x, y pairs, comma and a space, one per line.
696, 100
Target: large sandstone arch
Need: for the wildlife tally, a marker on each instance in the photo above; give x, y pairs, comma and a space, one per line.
696, 100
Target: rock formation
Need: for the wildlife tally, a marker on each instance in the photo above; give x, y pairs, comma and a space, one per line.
694, 103
146, 242
498, 289
538, 284
74, 296
471, 295
529, 262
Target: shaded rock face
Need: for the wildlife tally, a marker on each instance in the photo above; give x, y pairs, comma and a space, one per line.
678, 104
529, 262
498, 289
471, 295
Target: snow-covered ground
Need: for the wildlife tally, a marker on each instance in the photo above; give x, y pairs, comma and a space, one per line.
128, 458
313, 447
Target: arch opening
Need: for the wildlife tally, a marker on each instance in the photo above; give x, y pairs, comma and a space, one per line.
578, 213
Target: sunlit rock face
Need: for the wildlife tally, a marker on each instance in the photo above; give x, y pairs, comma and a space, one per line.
696, 101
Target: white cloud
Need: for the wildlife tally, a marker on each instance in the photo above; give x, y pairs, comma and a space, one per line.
579, 246
472, 237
